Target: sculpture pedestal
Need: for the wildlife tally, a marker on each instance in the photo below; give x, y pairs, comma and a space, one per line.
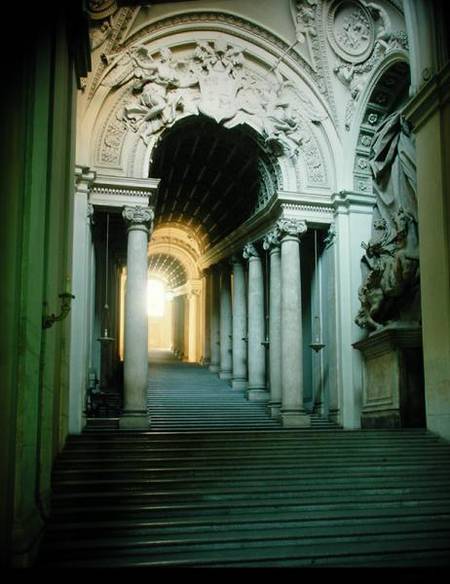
393, 394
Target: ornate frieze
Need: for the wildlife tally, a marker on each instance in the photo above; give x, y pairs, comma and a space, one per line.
361, 36
212, 80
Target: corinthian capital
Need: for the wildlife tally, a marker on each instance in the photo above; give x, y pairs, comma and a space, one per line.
250, 251
272, 239
292, 227
138, 216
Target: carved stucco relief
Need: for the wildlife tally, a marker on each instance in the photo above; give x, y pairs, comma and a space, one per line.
213, 80
361, 36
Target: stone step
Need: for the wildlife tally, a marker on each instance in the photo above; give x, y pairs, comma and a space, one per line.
162, 542
303, 553
245, 524
230, 495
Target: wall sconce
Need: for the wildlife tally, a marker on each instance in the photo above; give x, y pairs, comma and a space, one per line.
50, 319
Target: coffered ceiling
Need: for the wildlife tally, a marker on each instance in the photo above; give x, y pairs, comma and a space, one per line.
209, 178
168, 268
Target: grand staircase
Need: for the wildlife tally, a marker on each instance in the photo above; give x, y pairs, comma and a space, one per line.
236, 490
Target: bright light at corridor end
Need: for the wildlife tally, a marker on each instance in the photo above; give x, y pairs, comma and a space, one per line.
156, 298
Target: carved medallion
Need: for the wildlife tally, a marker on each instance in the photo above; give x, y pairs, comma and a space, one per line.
351, 30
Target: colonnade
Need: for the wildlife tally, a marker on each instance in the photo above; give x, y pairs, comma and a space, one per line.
259, 355
236, 304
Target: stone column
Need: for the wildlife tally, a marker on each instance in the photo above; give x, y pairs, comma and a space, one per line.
207, 326
272, 243
225, 323
239, 379
256, 389
135, 414
214, 321
293, 414
80, 315
192, 299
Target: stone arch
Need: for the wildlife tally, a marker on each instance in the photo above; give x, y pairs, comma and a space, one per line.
377, 102
302, 155
173, 240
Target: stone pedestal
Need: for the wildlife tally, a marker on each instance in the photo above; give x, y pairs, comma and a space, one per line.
393, 394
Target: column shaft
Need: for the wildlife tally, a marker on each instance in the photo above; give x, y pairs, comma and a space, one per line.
225, 324
239, 327
275, 332
136, 321
292, 411
214, 322
256, 321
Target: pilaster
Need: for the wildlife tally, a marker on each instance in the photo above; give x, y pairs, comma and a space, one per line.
353, 219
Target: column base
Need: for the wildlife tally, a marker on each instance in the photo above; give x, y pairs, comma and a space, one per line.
258, 394
295, 419
134, 420
225, 375
239, 384
214, 368
274, 409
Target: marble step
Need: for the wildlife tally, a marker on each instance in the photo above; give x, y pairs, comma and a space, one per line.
245, 524
161, 542
302, 552
186, 509
231, 495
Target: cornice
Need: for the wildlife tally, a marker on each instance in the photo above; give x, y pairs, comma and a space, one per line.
389, 339
111, 191
432, 96
314, 209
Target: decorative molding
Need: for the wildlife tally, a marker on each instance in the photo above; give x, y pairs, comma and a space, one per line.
330, 237
291, 227
351, 30
272, 239
137, 215
214, 80
250, 251
119, 192
431, 97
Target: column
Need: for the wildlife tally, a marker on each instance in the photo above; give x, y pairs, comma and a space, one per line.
135, 414
256, 389
239, 309
214, 320
272, 243
225, 322
293, 414
81, 288
207, 326
192, 309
